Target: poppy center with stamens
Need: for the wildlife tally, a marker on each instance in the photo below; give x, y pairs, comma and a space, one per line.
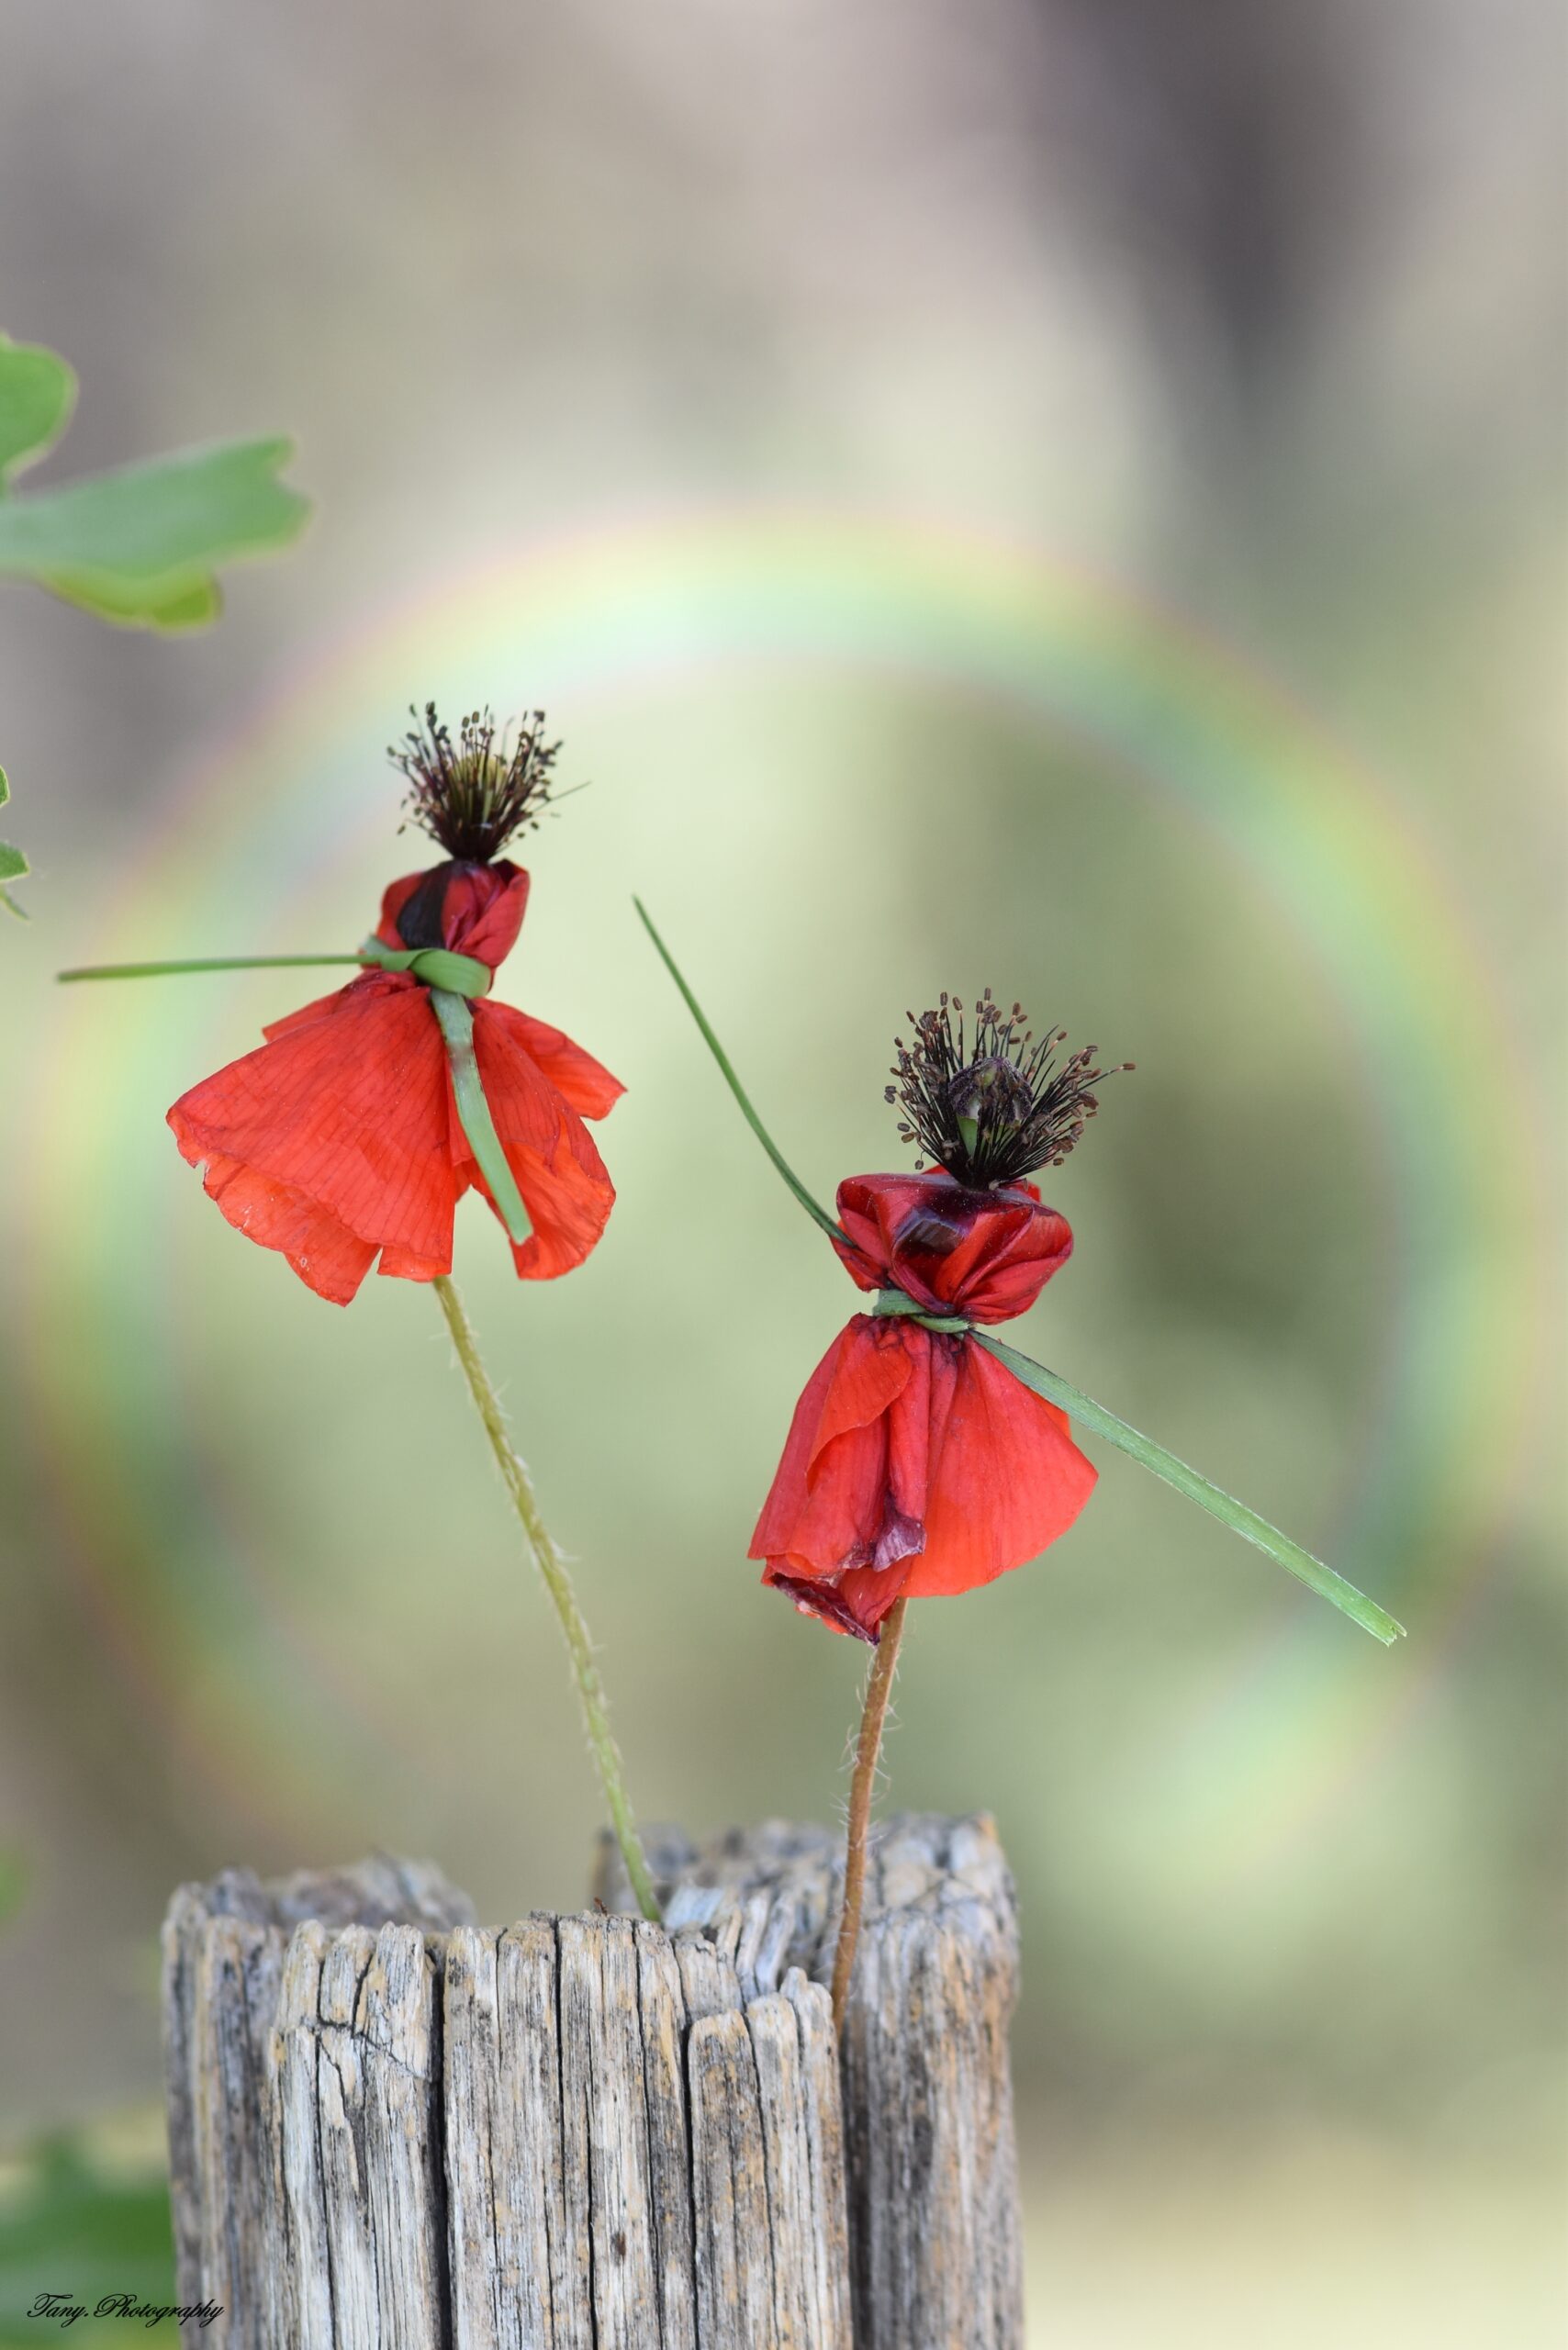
473, 794
986, 1100
991, 1087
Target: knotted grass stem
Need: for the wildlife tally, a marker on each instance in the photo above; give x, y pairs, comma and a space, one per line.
558, 1584
879, 1690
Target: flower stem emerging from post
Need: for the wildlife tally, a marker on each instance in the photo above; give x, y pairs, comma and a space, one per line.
558, 1583
878, 1689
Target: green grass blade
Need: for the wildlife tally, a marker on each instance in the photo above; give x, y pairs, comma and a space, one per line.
455, 1014
1219, 1503
207, 963
813, 1207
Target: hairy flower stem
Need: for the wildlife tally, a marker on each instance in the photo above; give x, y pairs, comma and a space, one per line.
558, 1583
878, 1689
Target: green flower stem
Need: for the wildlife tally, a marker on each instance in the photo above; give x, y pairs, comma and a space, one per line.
1219, 1503
558, 1583
869, 1747
813, 1207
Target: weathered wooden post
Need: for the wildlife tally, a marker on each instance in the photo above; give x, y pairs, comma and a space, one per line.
393, 2130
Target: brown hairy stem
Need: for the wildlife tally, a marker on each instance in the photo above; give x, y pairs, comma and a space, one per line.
878, 1689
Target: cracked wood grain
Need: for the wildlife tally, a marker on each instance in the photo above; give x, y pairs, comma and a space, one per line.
391, 2128
935, 2252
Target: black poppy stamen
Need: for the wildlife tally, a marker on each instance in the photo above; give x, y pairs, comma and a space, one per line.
981, 1098
471, 796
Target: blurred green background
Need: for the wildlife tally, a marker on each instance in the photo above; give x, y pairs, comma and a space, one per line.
1056, 497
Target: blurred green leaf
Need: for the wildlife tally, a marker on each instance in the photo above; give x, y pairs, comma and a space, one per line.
137, 547
38, 392
181, 599
69, 2228
13, 864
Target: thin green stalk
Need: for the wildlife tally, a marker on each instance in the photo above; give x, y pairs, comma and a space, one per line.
205, 963
462, 975
813, 1207
869, 1747
1219, 1503
558, 1583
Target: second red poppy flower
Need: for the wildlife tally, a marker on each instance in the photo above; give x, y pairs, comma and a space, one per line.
338, 1142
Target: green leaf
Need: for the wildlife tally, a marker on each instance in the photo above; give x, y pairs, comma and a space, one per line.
38, 392
70, 2226
166, 515
181, 599
13, 864
137, 545
1213, 1498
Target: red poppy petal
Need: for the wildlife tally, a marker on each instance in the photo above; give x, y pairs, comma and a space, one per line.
787, 1495
874, 1365
349, 1110
579, 1079
484, 911
380, 982
834, 1496
482, 907
819, 1599
565, 1186
393, 897
855, 1601
1009, 1481
1004, 1261
868, 1593
325, 1256
407, 1265
986, 1255
851, 1387
846, 1504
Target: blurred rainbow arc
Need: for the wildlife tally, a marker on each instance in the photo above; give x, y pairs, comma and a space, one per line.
602, 612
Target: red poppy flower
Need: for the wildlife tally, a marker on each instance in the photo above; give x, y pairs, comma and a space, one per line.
916, 1465
338, 1141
